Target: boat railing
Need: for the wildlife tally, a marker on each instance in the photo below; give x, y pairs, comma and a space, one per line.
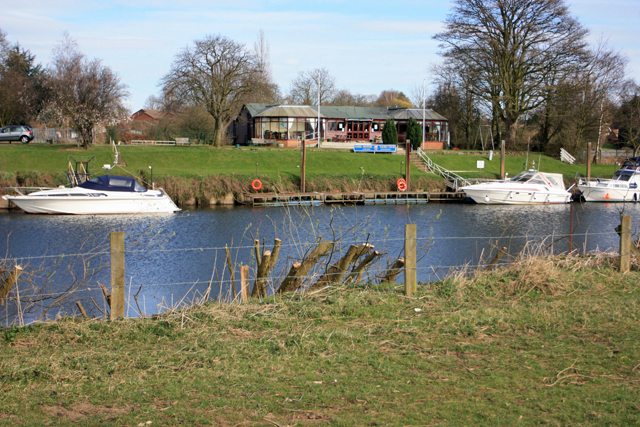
584, 181
23, 191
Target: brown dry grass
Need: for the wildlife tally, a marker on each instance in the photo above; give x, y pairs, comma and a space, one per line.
531, 270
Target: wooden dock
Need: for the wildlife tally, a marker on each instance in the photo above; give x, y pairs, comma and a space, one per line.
349, 198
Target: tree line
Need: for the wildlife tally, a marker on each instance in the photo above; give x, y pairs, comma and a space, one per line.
514, 70
72, 91
522, 71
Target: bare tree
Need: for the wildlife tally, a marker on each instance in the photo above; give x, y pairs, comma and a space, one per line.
86, 93
265, 90
576, 107
511, 46
304, 88
154, 102
216, 74
455, 99
628, 116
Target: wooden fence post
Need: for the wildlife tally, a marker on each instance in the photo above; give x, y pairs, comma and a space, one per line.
117, 274
625, 244
410, 271
244, 282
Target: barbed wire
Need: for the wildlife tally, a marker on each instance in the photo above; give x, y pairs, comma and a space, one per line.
372, 272
308, 245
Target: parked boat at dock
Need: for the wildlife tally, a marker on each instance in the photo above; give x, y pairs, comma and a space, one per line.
531, 187
623, 187
107, 194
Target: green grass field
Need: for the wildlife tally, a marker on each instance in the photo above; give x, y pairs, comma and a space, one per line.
551, 342
205, 160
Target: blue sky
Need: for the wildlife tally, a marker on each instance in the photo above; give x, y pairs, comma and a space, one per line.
368, 46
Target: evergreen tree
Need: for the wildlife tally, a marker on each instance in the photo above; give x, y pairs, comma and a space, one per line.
414, 133
389, 133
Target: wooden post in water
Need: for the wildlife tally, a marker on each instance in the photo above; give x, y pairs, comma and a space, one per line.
231, 272
501, 251
12, 280
407, 165
81, 308
410, 271
392, 274
117, 274
502, 158
589, 160
625, 244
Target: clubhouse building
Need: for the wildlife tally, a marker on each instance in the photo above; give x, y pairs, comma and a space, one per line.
286, 125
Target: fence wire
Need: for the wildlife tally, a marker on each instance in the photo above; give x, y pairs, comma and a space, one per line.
51, 285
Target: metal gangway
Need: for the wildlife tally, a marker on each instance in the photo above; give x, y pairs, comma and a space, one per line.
452, 179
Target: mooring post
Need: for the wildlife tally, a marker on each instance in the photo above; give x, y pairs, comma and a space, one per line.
589, 160
410, 271
117, 274
407, 165
625, 244
502, 158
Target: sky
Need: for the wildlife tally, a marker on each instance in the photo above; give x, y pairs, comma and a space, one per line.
368, 46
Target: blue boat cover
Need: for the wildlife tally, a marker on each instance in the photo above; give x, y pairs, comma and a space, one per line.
113, 183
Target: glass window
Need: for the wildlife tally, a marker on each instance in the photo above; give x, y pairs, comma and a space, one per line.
332, 125
376, 126
115, 182
341, 126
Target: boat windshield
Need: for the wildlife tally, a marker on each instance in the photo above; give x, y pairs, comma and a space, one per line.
530, 177
523, 177
622, 176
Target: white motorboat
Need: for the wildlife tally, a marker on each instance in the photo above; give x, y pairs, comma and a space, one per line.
531, 187
107, 194
623, 187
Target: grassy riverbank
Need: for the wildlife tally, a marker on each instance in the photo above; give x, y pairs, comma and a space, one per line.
547, 342
201, 172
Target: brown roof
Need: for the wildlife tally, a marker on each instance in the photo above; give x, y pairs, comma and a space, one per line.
154, 114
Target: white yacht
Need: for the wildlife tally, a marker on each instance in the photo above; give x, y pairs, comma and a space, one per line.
623, 187
531, 187
107, 194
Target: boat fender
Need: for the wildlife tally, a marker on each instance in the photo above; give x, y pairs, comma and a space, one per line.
486, 199
402, 184
607, 197
256, 184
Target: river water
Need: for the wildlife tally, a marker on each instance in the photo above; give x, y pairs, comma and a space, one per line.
171, 260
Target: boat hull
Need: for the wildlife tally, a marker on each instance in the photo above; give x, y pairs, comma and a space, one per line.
87, 205
604, 191
487, 195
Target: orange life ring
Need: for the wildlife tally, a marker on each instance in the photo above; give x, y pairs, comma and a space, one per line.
402, 184
256, 184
